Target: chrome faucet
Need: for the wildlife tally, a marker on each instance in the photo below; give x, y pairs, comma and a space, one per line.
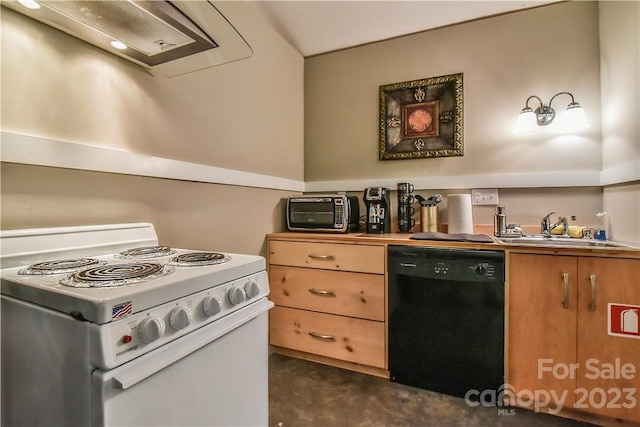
547, 228
545, 225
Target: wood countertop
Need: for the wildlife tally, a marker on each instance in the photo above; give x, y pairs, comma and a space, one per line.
405, 239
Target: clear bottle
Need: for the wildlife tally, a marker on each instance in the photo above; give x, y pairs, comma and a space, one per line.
601, 233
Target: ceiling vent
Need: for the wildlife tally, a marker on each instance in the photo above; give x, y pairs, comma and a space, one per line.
168, 38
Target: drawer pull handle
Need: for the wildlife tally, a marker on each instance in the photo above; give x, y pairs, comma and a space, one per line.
322, 336
592, 303
565, 281
321, 257
322, 292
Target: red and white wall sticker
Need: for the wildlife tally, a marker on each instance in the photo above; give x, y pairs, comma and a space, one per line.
623, 320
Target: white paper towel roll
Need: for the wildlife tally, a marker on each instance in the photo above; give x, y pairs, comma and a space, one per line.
460, 216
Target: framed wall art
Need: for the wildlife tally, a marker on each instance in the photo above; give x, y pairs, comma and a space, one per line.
421, 118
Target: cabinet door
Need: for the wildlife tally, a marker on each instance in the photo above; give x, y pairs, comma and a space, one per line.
542, 327
609, 374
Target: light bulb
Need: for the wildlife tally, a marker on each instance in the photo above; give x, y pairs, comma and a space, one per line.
527, 123
573, 119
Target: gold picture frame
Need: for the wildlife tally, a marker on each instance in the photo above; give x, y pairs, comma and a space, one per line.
421, 118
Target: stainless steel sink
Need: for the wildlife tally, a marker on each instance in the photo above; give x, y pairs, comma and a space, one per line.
559, 241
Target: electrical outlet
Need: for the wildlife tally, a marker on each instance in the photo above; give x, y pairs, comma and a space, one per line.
487, 196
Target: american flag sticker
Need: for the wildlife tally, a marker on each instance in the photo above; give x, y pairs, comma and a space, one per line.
121, 310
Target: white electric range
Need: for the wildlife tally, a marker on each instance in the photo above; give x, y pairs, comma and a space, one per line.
103, 326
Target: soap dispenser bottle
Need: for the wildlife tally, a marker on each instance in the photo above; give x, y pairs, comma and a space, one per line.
600, 232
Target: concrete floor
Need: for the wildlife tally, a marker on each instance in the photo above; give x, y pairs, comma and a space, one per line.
305, 394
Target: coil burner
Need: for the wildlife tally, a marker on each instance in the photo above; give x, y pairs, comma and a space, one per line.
146, 252
61, 266
113, 275
199, 258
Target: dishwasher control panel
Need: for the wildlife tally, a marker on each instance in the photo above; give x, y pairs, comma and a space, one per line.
465, 265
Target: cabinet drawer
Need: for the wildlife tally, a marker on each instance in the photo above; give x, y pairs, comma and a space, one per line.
344, 338
336, 292
328, 256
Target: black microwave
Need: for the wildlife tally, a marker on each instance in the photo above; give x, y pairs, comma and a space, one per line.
335, 213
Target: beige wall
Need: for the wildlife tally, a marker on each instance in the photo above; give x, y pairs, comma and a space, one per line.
185, 214
58, 87
620, 85
622, 204
504, 60
579, 201
620, 81
230, 116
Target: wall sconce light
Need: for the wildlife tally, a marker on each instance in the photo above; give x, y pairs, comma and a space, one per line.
573, 119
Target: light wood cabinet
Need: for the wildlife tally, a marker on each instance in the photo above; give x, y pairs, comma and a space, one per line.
344, 338
542, 320
559, 343
328, 256
614, 281
336, 292
330, 302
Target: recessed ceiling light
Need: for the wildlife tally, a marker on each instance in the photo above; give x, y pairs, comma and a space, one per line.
29, 4
118, 45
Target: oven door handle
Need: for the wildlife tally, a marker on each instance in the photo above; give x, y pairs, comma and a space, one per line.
140, 369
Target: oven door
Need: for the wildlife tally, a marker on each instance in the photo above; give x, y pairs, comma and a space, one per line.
217, 375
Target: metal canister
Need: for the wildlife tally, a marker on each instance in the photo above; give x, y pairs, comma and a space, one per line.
500, 222
428, 219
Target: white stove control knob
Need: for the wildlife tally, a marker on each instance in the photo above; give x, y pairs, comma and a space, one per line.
150, 329
252, 289
179, 318
235, 295
211, 306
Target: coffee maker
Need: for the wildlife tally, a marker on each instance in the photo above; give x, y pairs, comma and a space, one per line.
378, 209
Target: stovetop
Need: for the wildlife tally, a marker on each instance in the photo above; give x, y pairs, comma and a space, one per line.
98, 268
92, 291
132, 294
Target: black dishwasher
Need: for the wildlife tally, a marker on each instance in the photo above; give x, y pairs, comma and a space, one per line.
446, 319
